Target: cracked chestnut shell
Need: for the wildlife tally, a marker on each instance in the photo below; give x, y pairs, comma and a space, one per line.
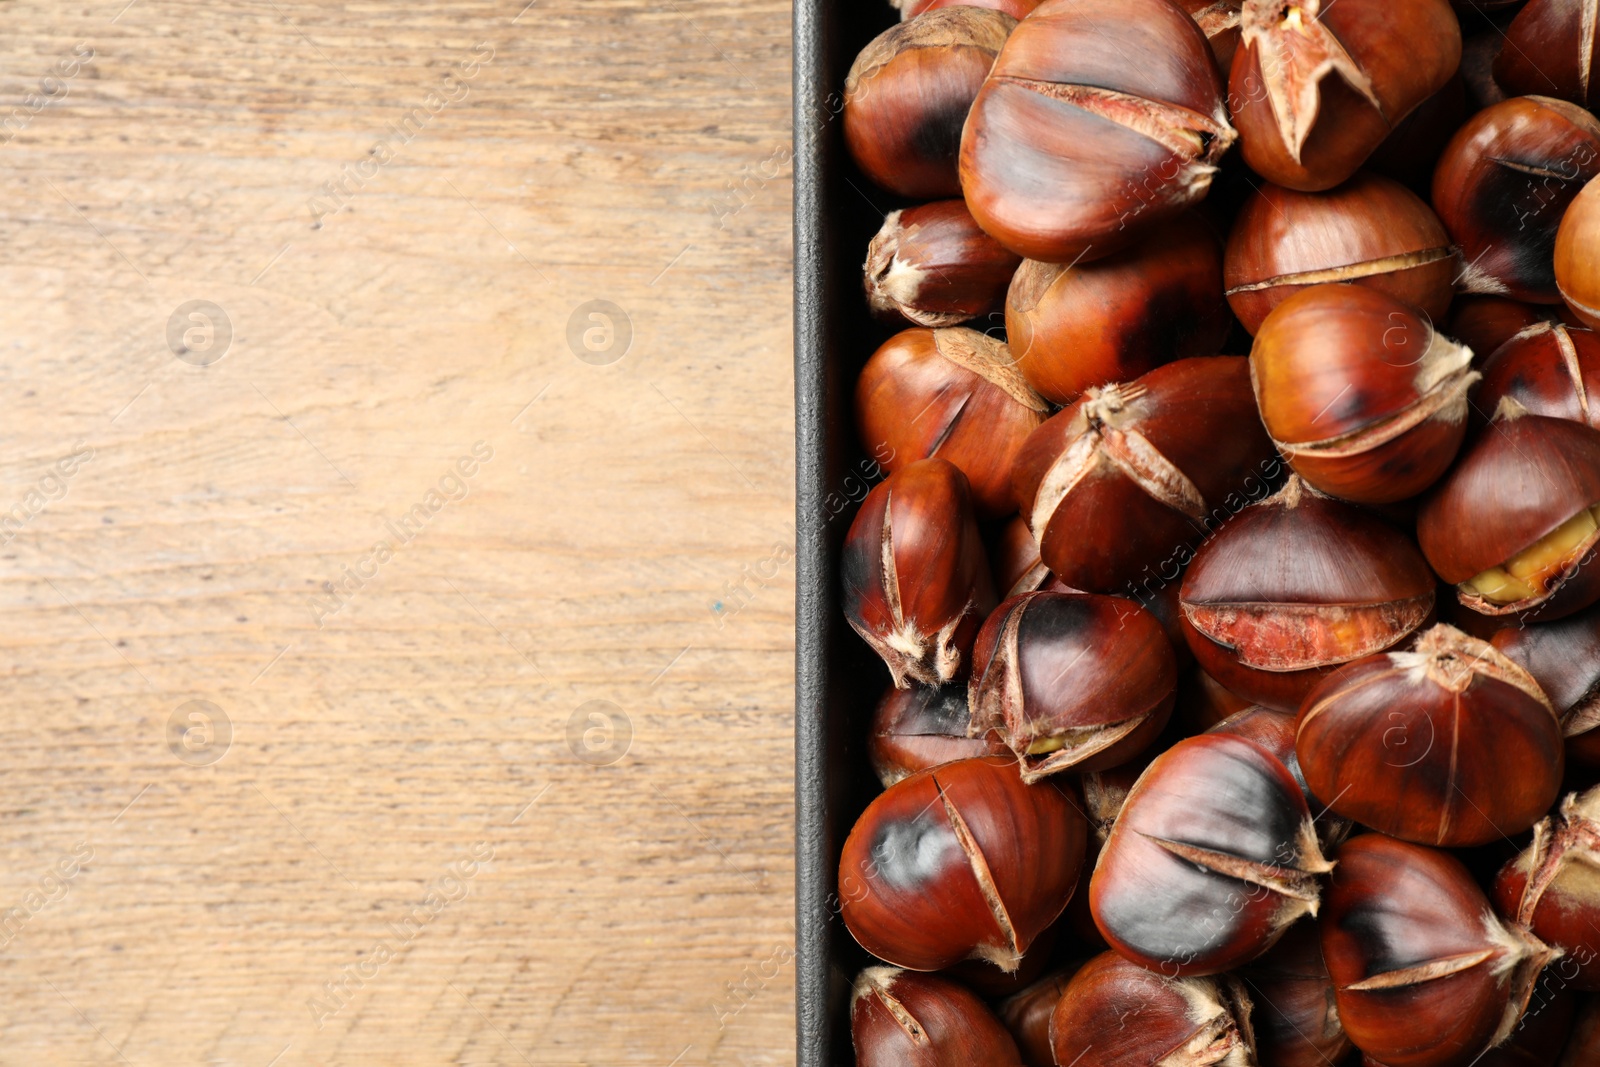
1295, 586
1371, 231
1360, 394
933, 266
1424, 973
1296, 1021
922, 727
1100, 119
1502, 185
1212, 858
1576, 272
1219, 21
908, 92
1119, 484
1553, 888
1484, 323
963, 861
1117, 1014
1315, 86
916, 581
951, 393
904, 1019
1550, 369
1072, 326
1564, 658
1071, 680
1027, 1015
1449, 743
1552, 47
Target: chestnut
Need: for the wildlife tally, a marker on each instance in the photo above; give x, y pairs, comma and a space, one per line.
1501, 186
1027, 1015
1295, 1020
933, 266
951, 393
1072, 326
1213, 856
1577, 278
992, 984
916, 583
904, 1019
1564, 658
1552, 48
963, 861
1125, 479
921, 727
1296, 585
1484, 323
1275, 732
1017, 9
1117, 1014
1553, 888
1219, 21
1513, 525
1362, 396
1071, 680
908, 92
1100, 120
1548, 368
1316, 86
1370, 231
1450, 743
1424, 973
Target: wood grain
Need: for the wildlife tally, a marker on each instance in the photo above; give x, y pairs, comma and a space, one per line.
397, 279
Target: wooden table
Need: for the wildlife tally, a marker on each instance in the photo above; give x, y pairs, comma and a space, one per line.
335, 502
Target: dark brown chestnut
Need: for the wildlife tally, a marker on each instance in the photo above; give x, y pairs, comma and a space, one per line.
1424, 973
964, 861
1553, 888
1552, 48
1550, 369
1450, 743
1100, 119
1316, 87
931, 265
1275, 732
1124, 480
1213, 856
992, 984
1027, 1015
1293, 587
1501, 187
1577, 276
1484, 323
1296, 1020
904, 1019
908, 93
916, 582
1219, 21
1071, 680
1364, 398
1564, 658
1072, 326
922, 727
951, 393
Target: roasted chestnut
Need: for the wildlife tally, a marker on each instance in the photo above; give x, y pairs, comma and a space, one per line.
1316, 87
1548, 368
908, 93
1501, 187
1072, 326
904, 1019
1071, 680
1213, 856
1120, 483
1370, 231
963, 861
1295, 1020
1275, 732
1364, 398
1564, 658
1294, 586
1100, 120
1484, 323
1552, 47
921, 727
1450, 743
1424, 973
1027, 1015
933, 266
916, 582
1219, 21
1577, 276
952, 393
1513, 525
1553, 888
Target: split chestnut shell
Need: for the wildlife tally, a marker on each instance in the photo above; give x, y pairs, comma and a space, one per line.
1553, 888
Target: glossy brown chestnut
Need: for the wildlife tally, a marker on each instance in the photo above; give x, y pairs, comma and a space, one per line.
1370, 231
1295, 586
1275, 732
908, 93
1015, 8
1100, 119
1512, 525
1364, 398
1501, 187
1577, 274
922, 727
904, 1019
1424, 973
1295, 1020
1118, 485
1071, 680
1315, 87
1552, 48
1072, 326
1219, 21
1553, 888
951, 393
1564, 658
916, 583
963, 861
1448, 744
1550, 369
1212, 858
1484, 323
1027, 1015
933, 266
1117, 1014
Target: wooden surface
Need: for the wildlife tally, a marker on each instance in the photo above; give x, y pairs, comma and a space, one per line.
399, 857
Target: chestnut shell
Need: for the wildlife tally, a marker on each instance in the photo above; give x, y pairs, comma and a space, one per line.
1550, 369
904, 1019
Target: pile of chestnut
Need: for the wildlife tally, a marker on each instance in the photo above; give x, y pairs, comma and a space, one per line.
1245, 708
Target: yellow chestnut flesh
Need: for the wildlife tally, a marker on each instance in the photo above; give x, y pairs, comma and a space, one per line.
1533, 571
